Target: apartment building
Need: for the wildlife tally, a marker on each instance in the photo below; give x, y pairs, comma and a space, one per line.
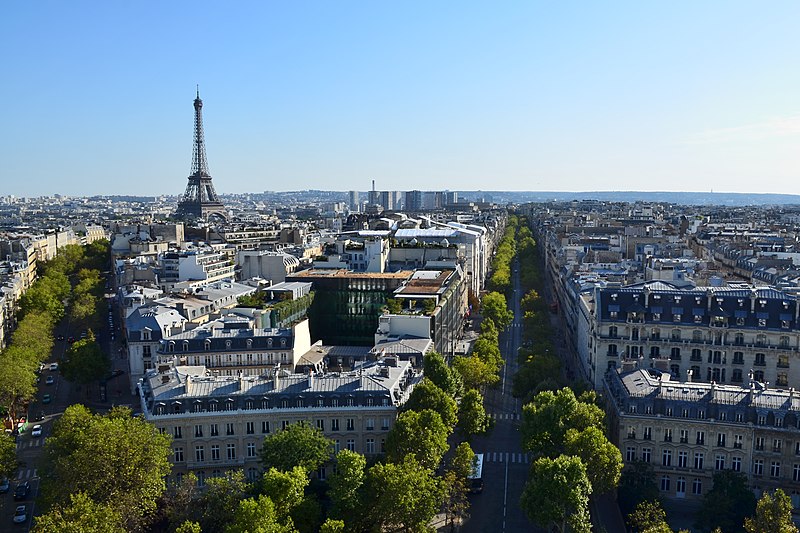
721, 334
219, 422
688, 431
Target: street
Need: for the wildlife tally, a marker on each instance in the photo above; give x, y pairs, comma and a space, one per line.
505, 468
62, 394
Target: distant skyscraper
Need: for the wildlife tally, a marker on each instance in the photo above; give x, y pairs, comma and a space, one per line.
200, 199
355, 205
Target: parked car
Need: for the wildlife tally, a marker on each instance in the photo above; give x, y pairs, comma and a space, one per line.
53, 367
21, 514
46, 398
22, 490
37, 431
5, 485
70, 339
50, 380
61, 337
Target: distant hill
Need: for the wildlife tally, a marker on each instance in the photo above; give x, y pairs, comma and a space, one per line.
683, 198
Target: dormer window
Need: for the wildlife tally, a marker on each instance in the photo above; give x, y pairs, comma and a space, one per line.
207, 345
146, 332
249, 343
171, 346
228, 344
185, 346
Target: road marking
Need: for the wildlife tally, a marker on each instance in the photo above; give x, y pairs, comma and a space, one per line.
505, 497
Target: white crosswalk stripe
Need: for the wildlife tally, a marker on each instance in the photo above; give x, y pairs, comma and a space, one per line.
506, 416
507, 457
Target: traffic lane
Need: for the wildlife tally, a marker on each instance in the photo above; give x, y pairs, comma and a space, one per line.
8, 506
497, 508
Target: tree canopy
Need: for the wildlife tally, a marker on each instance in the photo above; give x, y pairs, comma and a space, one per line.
727, 504
80, 515
472, 417
297, 445
115, 459
426, 395
422, 434
773, 514
435, 369
557, 494
603, 460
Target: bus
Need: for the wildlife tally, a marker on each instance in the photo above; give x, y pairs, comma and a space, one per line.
475, 480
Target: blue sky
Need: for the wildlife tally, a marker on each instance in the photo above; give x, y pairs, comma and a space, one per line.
96, 97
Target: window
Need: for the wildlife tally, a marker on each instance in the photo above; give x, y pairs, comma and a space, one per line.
737, 442
385, 424
284, 424
775, 469
335, 424
231, 449
738, 358
758, 467
760, 360
351, 445
214, 430
177, 432
796, 472
630, 454
668, 435
680, 486
201, 479
198, 430
777, 445
646, 455
351, 424
199, 454
648, 433
759, 445
336, 446
664, 483
721, 440
697, 486
321, 473
701, 437
178, 453
250, 428
320, 424
612, 332
215, 452
736, 376
229, 429
370, 446
736, 464
683, 459
738, 340
265, 426
698, 460
369, 425
684, 436
719, 462
666, 458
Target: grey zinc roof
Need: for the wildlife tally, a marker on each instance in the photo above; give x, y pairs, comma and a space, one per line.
205, 386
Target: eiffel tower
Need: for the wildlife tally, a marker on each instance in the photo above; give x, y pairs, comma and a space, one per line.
200, 199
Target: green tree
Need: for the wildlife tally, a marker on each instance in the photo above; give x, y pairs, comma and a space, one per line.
189, 527
455, 484
495, 308
547, 418
773, 515
297, 445
636, 484
394, 306
475, 372
422, 434
116, 459
472, 418
332, 526
8, 456
404, 495
488, 351
435, 369
649, 517
216, 506
426, 395
34, 334
535, 370
345, 484
17, 378
285, 489
257, 515
603, 460
85, 362
80, 515
557, 494
727, 504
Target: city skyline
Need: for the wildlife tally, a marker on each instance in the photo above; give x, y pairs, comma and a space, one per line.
518, 97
